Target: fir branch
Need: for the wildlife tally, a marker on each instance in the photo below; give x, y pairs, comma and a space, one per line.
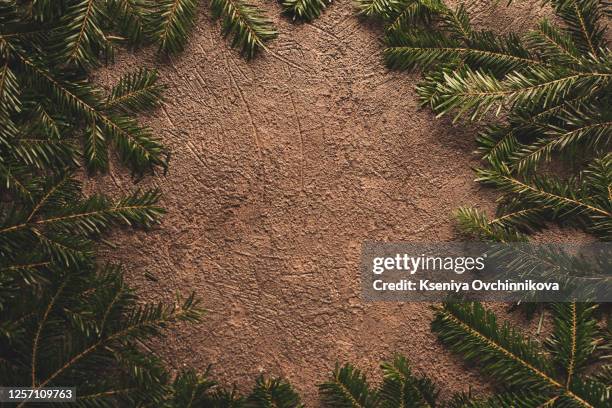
76, 98
420, 49
131, 18
9, 92
574, 337
245, 22
347, 388
45, 153
598, 178
400, 388
273, 393
190, 390
136, 145
46, 10
172, 22
58, 192
95, 149
136, 92
591, 133
475, 223
515, 214
477, 92
583, 18
457, 23
41, 323
80, 40
45, 123
497, 143
542, 191
411, 12
141, 322
473, 332
554, 45
64, 249
97, 214
304, 10
377, 8
13, 178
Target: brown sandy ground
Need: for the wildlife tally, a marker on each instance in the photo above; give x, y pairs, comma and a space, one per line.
280, 169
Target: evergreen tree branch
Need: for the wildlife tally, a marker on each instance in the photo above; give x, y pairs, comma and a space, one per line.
144, 320
304, 10
554, 45
347, 388
573, 340
273, 393
527, 158
541, 191
58, 192
583, 20
130, 17
95, 149
472, 331
172, 22
474, 222
39, 329
9, 91
136, 145
377, 8
81, 39
412, 12
479, 92
136, 92
245, 22
401, 388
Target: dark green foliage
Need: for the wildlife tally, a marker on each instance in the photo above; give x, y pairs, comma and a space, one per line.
79, 37
131, 18
528, 375
398, 14
583, 201
304, 10
584, 23
86, 321
192, 390
66, 320
347, 388
58, 222
172, 22
552, 86
400, 388
47, 102
247, 25
136, 92
273, 393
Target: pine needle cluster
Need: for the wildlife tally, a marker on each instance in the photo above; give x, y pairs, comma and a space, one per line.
551, 89
190, 389
348, 387
304, 10
65, 319
245, 22
526, 374
529, 374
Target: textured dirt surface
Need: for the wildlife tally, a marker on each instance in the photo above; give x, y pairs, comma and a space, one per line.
281, 169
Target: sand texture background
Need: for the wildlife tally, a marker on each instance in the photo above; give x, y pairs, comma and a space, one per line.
281, 168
